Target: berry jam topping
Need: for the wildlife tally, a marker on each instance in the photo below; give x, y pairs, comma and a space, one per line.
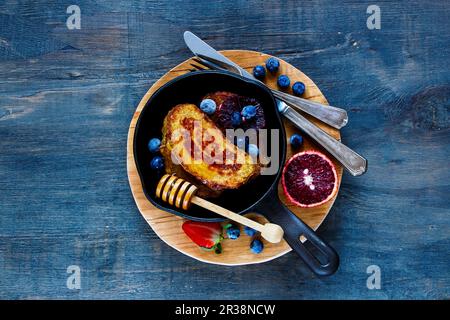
224, 116
230, 104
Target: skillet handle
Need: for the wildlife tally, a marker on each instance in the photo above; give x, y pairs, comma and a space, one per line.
293, 227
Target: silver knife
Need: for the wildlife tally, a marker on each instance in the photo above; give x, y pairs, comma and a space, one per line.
351, 160
335, 117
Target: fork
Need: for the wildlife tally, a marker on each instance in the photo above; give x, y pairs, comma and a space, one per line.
351, 160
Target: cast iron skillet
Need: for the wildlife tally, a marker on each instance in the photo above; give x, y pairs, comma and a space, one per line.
260, 195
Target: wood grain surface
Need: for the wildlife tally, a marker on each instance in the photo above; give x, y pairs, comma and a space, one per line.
236, 252
67, 98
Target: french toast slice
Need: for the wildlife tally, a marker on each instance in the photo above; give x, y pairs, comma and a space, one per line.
203, 191
193, 141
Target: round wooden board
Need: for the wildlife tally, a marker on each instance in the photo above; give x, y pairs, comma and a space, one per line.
235, 252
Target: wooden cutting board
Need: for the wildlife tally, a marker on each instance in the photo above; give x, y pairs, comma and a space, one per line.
235, 252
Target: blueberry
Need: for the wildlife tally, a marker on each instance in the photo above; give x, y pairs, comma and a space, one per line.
249, 231
154, 144
248, 112
208, 106
283, 81
157, 163
233, 232
298, 88
272, 64
235, 119
296, 140
259, 72
253, 150
256, 246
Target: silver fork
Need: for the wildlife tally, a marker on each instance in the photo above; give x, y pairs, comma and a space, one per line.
352, 161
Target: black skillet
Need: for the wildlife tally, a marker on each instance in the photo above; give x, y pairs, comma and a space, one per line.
261, 194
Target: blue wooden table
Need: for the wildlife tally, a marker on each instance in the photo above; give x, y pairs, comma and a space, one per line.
67, 96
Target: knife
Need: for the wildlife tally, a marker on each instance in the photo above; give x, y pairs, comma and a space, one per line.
352, 161
335, 117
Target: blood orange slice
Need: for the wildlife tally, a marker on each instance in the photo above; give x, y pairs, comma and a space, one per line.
309, 179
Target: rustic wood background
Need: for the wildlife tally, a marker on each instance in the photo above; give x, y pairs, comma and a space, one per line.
67, 98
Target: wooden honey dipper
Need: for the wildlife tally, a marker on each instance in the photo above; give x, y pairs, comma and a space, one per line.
181, 193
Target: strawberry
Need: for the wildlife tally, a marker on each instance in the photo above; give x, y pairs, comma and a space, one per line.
207, 235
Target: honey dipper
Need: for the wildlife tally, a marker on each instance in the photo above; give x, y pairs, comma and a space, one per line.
181, 193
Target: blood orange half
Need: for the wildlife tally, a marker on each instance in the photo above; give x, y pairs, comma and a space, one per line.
309, 179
